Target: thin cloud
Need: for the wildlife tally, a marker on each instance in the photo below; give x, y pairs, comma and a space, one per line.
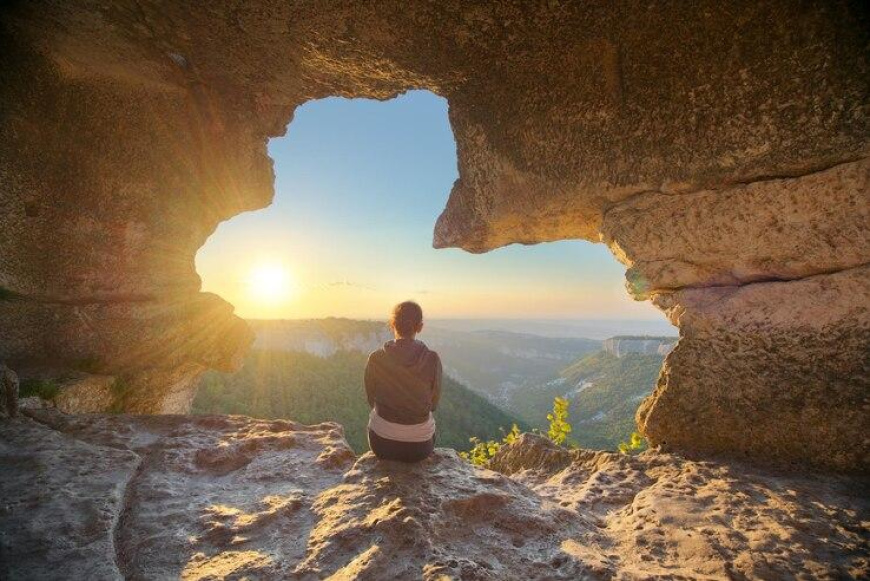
346, 284
427, 292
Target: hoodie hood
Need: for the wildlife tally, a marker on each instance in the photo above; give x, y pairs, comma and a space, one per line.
407, 352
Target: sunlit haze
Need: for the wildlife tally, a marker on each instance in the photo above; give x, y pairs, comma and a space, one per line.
359, 186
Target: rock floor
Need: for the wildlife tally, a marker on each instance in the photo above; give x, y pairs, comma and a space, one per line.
230, 497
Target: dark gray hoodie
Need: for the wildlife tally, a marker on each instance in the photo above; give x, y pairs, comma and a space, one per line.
403, 381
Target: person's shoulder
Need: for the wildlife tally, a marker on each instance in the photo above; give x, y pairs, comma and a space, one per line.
376, 354
434, 355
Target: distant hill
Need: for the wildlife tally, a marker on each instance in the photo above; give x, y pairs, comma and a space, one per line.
499, 364
494, 364
309, 388
604, 391
311, 371
582, 328
319, 336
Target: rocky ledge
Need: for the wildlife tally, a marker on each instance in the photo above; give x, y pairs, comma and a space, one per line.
228, 497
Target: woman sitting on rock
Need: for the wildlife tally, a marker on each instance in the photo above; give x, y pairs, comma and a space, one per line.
403, 385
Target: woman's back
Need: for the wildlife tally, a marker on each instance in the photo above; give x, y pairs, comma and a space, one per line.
403, 386
403, 381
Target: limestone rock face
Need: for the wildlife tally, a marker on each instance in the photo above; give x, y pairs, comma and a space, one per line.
534, 452
776, 229
88, 394
715, 394
195, 498
708, 144
770, 287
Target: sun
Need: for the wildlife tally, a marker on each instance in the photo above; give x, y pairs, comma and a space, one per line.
270, 283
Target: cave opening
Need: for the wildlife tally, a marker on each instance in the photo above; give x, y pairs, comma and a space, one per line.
359, 185
721, 150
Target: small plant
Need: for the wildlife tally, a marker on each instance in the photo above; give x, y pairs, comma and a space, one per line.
559, 426
635, 444
46, 389
483, 451
512, 436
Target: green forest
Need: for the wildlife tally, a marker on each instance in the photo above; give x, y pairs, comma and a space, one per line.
602, 412
311, 389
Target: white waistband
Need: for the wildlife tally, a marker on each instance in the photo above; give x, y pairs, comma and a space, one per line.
401, 432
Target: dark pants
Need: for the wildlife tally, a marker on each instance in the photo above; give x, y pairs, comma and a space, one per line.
401, 451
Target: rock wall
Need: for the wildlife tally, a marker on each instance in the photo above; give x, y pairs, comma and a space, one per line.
770, 286
714, 147
763, 368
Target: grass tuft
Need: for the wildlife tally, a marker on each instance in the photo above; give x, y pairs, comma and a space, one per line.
46, 389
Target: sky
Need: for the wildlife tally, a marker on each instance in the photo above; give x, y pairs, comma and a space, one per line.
359, 186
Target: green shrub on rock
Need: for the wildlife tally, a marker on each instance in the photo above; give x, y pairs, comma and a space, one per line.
634, 445
559, 426
46, 389
483, 451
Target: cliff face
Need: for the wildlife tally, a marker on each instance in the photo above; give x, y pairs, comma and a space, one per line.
621, 346
168, 497
719, 154
320, 337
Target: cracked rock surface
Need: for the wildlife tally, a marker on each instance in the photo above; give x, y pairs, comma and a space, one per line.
230, 497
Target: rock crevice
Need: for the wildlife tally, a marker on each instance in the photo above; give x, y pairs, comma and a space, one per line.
122, 555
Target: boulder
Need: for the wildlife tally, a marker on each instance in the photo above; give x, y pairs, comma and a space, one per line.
534, 452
